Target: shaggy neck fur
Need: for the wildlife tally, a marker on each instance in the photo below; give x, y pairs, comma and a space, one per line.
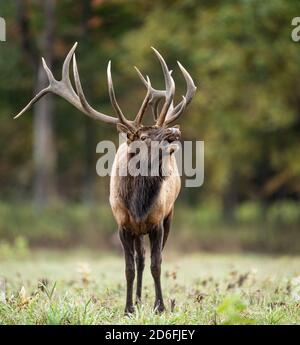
139, 193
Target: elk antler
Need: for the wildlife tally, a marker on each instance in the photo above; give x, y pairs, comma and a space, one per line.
167, 115
65, 89
158, 95
155, 95
190, 91
145, 103
170, 89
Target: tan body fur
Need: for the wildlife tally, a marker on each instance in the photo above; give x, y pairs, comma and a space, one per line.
164, 203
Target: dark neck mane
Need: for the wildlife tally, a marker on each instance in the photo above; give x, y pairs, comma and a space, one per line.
139, 194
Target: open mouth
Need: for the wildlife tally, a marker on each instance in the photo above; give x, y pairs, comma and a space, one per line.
173, 134
172, 137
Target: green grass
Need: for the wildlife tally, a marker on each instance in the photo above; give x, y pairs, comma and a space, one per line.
89, 288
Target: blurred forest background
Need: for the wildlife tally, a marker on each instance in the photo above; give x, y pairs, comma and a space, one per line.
247, 110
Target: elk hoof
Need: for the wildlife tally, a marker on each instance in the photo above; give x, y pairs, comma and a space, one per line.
138, 301
159, 308
129, 310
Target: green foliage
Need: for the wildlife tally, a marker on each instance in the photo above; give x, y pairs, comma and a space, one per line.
62, 224
231, 310
18, 249
246, 109
193, 228
248, 212
241, 56
284, 212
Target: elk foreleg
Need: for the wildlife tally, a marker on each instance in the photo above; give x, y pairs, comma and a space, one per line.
156, 241
127, 239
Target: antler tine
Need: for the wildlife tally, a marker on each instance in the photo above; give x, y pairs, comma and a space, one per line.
176, 115
155, 95
84, 103
170, 89
113, 99
168, 103
66, 69
54, 85
31, 103
191, 89
64, 89
42, 93
145, 103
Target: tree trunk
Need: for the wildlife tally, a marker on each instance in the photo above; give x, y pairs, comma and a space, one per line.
89, 166
230, 199
89, 127
44, 143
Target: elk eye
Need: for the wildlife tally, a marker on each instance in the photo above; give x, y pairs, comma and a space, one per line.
143, 137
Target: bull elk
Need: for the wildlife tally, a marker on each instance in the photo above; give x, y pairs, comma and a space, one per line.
140, 204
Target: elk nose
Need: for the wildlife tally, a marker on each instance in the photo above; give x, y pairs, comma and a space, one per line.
173, 130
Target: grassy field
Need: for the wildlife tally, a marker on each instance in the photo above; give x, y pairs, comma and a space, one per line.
89, 288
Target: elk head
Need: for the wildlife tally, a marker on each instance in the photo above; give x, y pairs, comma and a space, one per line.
133, 129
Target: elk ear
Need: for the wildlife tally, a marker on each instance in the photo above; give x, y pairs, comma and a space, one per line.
176, 126
121, 128
125, 131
